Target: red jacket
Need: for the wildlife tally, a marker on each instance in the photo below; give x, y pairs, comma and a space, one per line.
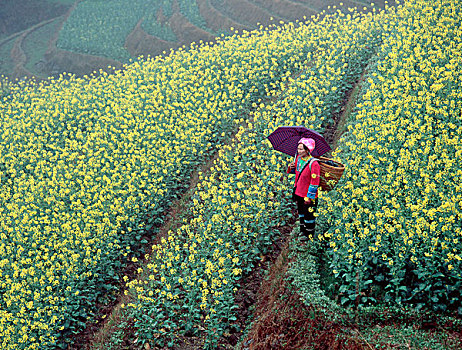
307, 184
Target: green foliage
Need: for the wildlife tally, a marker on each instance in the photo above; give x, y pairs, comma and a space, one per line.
152, 25
191, 11
395, 225
84, 183
120, 148
196, 270
409, 337
64, 2
101, 27
6, 63
224, 8
4, 88
378, 326
303, 274
35, 45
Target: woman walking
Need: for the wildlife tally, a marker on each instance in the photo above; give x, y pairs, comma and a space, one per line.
305, 193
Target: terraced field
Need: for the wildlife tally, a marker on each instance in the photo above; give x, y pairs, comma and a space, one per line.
91, 166
97, 34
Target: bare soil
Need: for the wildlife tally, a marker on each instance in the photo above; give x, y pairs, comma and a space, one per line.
252, 293
139, 42
282, 321
215, 19
285, 9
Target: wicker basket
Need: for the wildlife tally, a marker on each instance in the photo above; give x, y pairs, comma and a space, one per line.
331, 171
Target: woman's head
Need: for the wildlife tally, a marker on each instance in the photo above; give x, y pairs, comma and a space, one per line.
302, 150
305, 147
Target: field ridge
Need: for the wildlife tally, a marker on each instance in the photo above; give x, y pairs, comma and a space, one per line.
215, 19
100, 339
19, 57
140, 209
278, 316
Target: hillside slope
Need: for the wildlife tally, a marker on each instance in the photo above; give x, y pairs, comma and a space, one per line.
98, 34
91, 166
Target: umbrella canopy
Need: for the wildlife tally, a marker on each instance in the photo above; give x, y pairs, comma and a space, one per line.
285, 139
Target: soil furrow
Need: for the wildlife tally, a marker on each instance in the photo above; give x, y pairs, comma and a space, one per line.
280, 319
96, 337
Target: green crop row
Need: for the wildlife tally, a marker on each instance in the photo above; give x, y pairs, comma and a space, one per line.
101, 27
396, 226
191, 11
89, 166
190, 284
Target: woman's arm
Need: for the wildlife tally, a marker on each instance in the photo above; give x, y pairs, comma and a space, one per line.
314, 180
291, 168
292, 165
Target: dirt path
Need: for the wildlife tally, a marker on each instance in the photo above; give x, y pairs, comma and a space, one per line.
281, 320
97, 337
333, 134
98, 334
18, 55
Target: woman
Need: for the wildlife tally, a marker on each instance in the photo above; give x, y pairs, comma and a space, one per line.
307, 170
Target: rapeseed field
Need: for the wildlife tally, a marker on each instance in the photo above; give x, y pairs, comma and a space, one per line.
396, 223
88, 166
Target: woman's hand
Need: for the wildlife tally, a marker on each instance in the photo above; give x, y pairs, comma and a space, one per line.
291, 166
307, 200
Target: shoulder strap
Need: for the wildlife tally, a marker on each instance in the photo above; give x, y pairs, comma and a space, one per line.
309, 163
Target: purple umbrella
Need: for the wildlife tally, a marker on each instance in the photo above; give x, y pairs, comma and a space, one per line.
285, 139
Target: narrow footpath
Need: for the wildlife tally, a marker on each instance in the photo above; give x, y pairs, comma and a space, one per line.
99, 332
110, 321
281, 320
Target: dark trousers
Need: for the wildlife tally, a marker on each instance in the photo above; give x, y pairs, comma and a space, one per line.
306, 215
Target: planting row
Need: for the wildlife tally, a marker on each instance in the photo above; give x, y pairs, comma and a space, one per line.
101, 27
191, 281
88, 166
397, 225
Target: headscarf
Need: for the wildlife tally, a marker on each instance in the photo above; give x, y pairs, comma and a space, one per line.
308, 142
